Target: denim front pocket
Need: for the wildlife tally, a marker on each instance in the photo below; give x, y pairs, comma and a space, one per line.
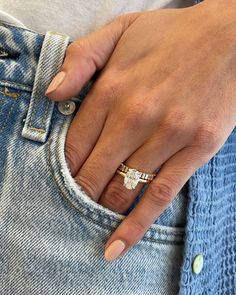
152, 266
52, 235
78, 198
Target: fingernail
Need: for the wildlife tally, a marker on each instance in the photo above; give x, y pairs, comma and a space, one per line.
57, 80
114, 250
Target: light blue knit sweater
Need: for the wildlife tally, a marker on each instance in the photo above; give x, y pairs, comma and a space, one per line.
211, 225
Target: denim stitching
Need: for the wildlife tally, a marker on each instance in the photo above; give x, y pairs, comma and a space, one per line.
8, 115
37, 129
34, 104
7, 24
15, 84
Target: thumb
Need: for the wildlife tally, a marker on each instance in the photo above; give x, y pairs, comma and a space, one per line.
87, 55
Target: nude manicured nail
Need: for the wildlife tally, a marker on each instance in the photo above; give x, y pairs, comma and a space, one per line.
57, 80
114, 250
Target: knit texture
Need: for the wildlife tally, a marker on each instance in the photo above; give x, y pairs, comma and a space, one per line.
211, 225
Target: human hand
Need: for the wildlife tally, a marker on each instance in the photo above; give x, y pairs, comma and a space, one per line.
165, 98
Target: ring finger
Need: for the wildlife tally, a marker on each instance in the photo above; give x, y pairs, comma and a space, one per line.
147, 159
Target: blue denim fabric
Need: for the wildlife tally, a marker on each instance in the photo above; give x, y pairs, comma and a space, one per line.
52, 235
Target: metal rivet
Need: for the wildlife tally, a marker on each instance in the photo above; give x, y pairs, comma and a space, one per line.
197, 263
66, 107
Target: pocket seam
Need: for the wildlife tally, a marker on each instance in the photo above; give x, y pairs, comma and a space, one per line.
16, 85
8, 113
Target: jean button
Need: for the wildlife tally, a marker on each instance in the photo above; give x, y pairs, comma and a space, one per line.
66, 107
197, 263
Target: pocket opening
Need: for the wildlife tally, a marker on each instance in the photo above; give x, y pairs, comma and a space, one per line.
81, 202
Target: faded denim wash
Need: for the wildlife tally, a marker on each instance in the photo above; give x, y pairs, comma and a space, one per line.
52, 235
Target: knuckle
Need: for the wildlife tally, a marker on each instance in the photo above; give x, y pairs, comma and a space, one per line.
88, 182
177, 122
126, 19
208, 137
73, 157
81, 49
116, 197
71, 49
123, 20
76, 46
160, 194
135, 116
109, 89
137, 229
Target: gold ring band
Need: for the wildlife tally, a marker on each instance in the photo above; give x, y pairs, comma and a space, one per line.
132, 176
140, 179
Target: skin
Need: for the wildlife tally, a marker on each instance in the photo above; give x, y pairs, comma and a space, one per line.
166, 91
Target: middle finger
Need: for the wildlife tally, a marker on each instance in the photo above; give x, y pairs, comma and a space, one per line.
116, 141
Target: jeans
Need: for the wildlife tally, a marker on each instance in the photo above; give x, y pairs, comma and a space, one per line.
52, 235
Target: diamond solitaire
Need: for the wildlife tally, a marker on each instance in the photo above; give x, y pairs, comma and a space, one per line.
132, 176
